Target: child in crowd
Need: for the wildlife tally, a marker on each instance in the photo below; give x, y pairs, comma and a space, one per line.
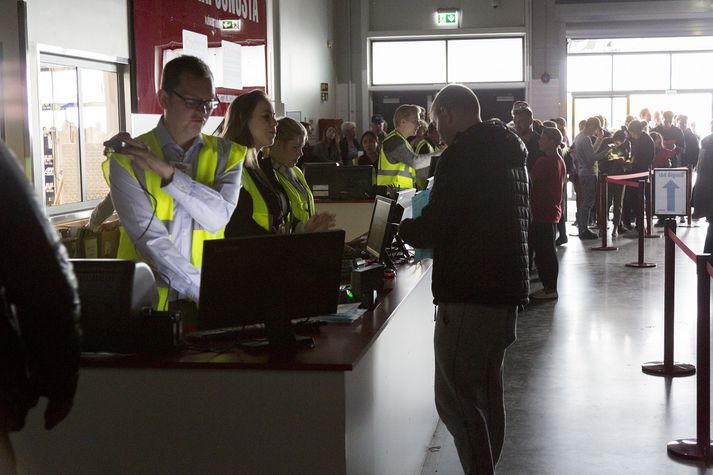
548, 177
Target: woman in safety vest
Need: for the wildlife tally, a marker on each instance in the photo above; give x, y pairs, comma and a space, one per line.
264, 206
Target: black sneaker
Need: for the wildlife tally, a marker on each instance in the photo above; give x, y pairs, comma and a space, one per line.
588, 235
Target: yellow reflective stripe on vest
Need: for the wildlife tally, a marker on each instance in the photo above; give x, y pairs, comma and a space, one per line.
260, 215
302, 209
208, 160
394, 174
424, 144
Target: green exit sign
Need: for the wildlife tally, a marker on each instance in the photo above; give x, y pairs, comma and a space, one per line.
447, 19
230, 25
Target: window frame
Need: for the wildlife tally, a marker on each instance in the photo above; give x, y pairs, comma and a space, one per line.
447, 40
113, 65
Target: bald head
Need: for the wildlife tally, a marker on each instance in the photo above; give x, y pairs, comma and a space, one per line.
455, 109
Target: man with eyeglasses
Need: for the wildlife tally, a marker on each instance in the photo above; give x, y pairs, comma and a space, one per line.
174, 187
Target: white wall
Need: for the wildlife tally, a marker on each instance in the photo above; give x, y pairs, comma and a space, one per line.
305, 60
419, 14
98, 27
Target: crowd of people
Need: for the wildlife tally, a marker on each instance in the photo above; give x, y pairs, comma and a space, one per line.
175, 187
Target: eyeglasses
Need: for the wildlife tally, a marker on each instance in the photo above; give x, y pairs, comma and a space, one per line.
198, 104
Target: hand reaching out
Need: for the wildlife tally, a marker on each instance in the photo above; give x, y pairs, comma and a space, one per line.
320, 222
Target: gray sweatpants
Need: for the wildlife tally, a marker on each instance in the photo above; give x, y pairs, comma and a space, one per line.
470, 342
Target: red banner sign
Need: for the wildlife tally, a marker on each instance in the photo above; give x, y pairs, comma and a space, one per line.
230, 35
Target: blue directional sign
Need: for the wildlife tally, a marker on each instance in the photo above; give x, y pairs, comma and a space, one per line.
670, 189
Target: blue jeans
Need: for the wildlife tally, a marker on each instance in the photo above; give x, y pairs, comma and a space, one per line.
470, 342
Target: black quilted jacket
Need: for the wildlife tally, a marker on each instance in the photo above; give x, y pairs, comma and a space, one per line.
477, 219
39, 281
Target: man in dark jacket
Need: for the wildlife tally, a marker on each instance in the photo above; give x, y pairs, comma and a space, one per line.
39, 312
477, 224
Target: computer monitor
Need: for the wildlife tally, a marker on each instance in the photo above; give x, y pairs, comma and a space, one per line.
111, 293
433, 165
353, 183
270, 280
382, 230
321, 178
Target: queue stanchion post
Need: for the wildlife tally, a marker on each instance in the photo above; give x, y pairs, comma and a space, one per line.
603, 214
667, 367
699, 448
640, 227
689, 188
650, 209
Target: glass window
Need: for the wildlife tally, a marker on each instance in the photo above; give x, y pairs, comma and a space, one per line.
79, 110
589, 73
642, 72
100, 121
586, 107
692, 71
619, 113
59, 120
468, 60
408, 62
635, 45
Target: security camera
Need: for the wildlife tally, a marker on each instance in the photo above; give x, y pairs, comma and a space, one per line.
495, 3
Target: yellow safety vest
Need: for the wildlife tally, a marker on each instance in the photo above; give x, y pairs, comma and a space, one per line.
395, 174
261, 214
205, 173
302, 209
424, 146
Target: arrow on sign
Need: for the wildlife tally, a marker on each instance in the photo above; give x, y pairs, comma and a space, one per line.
671, 187
450, 18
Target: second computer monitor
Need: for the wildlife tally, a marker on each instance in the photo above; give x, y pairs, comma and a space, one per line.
381, 230
321, 178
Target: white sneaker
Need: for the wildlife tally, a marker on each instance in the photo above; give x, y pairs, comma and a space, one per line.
544, 294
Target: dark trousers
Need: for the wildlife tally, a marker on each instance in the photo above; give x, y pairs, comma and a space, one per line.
562, 224
708, 246
469, 343
615, 199
542, 241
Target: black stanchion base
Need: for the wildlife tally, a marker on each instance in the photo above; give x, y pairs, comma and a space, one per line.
652, 236
608, 248
688, 449
657, 368
642, 265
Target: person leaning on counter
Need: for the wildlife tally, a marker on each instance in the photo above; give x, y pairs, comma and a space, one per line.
173, 187
264, 206
284, 154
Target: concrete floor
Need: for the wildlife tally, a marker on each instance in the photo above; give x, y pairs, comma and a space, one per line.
577, 401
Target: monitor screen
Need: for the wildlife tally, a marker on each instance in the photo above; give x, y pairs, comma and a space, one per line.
354, 183
321, 178
379, 227
269, 279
